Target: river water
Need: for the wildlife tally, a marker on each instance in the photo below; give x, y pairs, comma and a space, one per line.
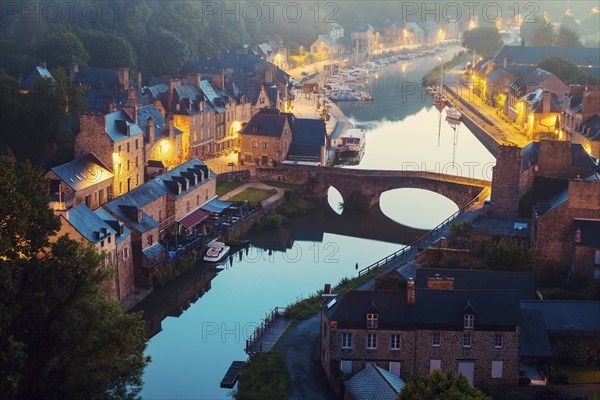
200, 321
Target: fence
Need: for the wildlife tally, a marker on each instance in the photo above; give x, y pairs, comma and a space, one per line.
401, 254
255, 340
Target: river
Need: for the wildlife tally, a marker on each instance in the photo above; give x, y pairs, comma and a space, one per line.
211, 314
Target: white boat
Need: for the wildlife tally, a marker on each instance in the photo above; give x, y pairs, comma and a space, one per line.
453, 113
216, 251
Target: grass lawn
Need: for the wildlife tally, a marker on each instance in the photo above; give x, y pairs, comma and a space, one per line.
253, 195
283, 185
226, 187
582, 374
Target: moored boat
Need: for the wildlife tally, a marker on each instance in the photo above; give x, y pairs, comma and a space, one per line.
216, 251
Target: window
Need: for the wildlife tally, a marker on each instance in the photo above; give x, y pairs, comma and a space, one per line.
497, 341
346, 340
469, 319
436, 340
346, 366
264, 145
119, 150
467, 340
371, 341
394, 342
109, 239
254, 144
128, 149
125, 253
137, 144
102, 243
187, 206
497, 369
197, 199
394, 368
435, 364
372, 320
149, 241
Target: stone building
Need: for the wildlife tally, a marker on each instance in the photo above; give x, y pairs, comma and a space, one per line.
413, 331
108, 237
155, 210
117, 141
83, 180
163, 142
516, 170
542, 110
580, 118
363, 40
326, 46
266, 138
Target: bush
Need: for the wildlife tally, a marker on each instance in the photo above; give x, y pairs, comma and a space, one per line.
559, 377
549, 393
264, 376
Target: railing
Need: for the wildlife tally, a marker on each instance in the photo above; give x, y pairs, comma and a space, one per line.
255, 339
402, 253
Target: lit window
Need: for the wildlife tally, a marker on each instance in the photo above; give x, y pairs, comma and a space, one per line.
346, 340
372, 320
264, 145
436, 339
394, 342
371, 341
497, 341
469, 319
467, 340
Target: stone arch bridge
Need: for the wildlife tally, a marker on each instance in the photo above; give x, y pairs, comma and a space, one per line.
459, 189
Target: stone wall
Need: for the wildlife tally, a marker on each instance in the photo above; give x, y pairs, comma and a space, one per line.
506, 178
447, 258
243, 175
416, 351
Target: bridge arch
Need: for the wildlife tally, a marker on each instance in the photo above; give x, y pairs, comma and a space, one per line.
335, 200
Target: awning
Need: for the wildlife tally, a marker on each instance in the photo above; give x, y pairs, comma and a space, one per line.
216, 206
194, 218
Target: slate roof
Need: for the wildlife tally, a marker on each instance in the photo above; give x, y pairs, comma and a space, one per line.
574, 103
536, 97
374, 382
98, 98
154, 251
414, 27
531, 55
117, 225
38, 72
304, 152
433, 309
90, 225
328, 40
590, 127
83, 172
150, 111
362, 27
118, 123
466, 279
126, 205
97, 78
590, 232
567, 315
213, 96
543, 206
265, 124
534, 340
581, 158
529, 155
502, 227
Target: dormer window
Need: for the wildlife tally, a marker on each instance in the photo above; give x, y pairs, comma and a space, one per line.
372, 320
469, 320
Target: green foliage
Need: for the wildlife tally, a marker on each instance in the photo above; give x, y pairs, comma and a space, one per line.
485, 41
506, 255
566, 71
306, 308
438, 385
60, 49
264, 376
460, 229
60, 337
358, 201
108, 50
544, 35
567, 38
173, 51
549, 393
173, 270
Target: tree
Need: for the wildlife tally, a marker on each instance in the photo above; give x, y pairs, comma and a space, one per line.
485, 41
438, 385
544, 35
173, 53
108, 50
60, 49
566, 71
506, 255
60, 336
567, 38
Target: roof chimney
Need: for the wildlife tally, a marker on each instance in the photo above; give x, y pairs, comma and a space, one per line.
150, 130
73, 70
410, 292
123, 75
504, 62
139, 81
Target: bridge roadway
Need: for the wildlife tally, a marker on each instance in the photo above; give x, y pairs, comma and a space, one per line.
461, 190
